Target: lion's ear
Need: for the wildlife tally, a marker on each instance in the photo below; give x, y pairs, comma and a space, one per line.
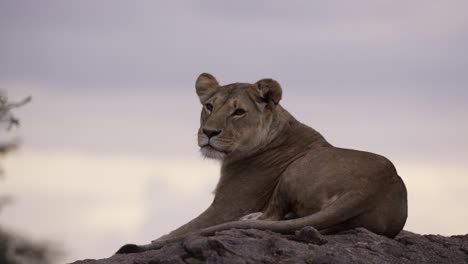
206, 86
270, 91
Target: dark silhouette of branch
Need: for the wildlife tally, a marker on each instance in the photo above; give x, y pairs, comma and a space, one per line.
14, 248
5, 110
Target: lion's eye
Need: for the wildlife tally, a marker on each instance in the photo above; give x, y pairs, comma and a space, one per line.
238, 112
209, 107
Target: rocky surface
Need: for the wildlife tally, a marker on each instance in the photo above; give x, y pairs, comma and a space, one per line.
306, 246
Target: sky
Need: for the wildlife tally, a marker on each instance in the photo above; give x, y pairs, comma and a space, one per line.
108, 145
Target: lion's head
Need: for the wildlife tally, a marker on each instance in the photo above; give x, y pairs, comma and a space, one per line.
236, 118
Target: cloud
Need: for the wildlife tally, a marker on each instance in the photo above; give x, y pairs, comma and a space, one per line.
364, 47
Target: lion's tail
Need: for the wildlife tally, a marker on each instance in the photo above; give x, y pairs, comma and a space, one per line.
344, 208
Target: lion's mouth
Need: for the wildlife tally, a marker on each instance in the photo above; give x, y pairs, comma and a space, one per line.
211, 147
212, 152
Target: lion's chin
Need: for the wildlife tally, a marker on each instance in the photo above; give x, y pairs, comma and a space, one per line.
212, 153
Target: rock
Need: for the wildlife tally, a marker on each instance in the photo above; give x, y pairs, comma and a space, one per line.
310, 235
307, 246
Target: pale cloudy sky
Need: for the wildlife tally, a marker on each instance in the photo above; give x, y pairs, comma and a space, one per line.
109, 150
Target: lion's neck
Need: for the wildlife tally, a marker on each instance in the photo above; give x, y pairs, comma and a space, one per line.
289, 137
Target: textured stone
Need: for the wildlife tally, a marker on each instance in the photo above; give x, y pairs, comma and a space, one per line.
306, 246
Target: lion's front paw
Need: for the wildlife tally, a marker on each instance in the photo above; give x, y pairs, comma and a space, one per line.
253, 216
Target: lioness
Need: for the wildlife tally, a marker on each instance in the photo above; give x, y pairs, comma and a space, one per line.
281, 175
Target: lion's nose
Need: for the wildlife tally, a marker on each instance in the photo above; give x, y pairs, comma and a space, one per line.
211, 133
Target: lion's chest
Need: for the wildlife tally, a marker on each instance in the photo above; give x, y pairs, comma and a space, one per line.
246, 190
